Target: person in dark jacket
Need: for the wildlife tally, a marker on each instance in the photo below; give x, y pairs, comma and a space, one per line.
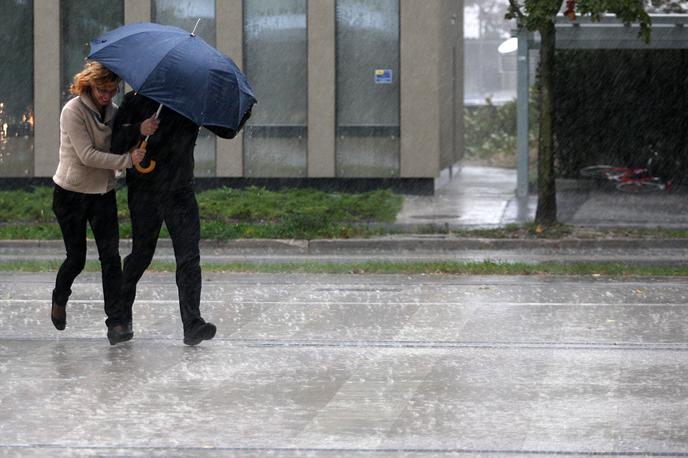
166, 195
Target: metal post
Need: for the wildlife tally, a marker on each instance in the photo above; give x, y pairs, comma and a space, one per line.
522, 68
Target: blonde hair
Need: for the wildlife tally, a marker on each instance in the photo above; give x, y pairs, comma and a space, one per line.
93, 74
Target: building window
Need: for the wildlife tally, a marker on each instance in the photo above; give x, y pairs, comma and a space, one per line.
367, 48
185, 14
16, 88
80, 22
276, 64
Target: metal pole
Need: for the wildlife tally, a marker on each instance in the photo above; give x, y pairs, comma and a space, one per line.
522, 69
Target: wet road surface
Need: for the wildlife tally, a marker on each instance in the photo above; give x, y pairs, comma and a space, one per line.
350, 365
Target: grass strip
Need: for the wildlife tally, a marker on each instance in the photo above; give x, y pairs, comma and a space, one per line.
28, 214
210, 230
227, 214
303, 214
386, 267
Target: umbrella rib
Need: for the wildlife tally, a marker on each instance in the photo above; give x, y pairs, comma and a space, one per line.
153, 71
158, 64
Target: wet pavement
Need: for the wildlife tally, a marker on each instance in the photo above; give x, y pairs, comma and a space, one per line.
477, 197
350, 365
472, 197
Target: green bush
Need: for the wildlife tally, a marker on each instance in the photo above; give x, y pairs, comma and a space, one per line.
490, 131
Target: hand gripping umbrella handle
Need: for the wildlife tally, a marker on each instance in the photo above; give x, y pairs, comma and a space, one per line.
151, 164
144, 143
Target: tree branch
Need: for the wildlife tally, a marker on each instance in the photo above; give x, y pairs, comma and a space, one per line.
514, 11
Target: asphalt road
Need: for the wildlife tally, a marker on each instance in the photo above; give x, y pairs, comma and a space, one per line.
352, 365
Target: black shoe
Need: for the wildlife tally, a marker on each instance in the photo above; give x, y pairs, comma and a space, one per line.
119, 333
58, 315
205, 331
129, 326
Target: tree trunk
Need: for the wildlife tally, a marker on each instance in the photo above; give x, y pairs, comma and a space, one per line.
546, 212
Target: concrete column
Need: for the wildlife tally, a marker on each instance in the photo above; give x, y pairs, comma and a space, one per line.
229, 20
321, 88
420, 95
459, 143
137, 11
46, 83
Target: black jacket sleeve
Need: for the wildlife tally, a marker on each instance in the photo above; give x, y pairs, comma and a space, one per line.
126, 127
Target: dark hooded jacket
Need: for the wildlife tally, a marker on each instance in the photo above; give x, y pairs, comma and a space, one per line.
172, 145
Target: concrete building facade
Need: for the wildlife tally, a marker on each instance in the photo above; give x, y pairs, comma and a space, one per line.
362, 90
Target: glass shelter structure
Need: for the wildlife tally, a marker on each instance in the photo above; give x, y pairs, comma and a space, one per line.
668, 32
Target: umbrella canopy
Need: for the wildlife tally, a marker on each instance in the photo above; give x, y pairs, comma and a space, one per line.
179, 70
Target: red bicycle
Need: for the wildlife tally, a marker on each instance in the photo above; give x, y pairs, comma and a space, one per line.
629, 179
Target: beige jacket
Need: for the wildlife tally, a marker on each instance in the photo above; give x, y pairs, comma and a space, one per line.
85, 165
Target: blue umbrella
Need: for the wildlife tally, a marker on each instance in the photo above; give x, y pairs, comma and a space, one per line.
179, 70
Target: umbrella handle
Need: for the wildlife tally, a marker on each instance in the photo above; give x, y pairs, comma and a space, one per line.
144, 143
151, 165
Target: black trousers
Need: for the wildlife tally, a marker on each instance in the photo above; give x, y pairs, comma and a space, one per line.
178, 209
74, 210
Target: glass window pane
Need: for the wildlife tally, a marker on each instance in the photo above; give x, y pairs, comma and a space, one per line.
185, 14
81, 22
276, 58
367, 88
487, 73
16, 88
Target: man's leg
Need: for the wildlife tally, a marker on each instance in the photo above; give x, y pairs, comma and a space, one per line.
183, 222
146, 222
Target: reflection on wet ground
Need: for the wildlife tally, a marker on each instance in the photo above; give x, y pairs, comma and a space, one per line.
485, 197
350, 365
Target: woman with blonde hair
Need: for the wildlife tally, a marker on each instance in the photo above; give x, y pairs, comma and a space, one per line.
84, 191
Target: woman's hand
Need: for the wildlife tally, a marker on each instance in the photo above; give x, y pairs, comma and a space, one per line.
137, 155
149, 126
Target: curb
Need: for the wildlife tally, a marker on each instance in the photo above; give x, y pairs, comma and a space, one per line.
418, 243
450, 244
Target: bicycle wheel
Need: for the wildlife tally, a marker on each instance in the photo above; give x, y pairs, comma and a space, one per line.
640, 187
603, 172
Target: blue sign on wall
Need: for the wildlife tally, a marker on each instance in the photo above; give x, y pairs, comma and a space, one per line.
383, 76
